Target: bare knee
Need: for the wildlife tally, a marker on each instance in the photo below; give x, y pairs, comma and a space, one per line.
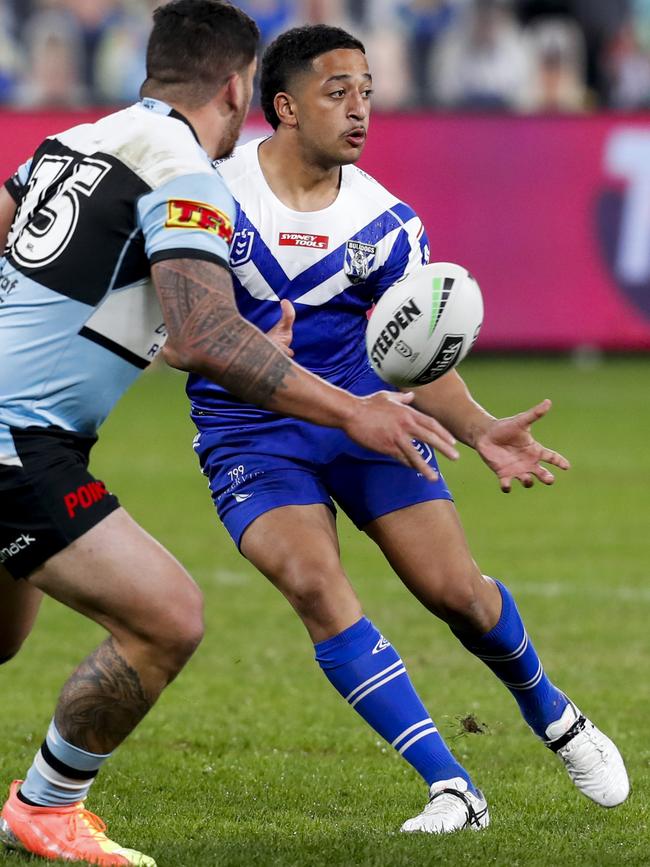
170, 637
19, 604
178, 638
464, 601
321, 595
305, 584
12, 644
181, 642
7, 656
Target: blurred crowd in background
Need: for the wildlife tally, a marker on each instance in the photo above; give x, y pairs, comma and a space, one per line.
474, 55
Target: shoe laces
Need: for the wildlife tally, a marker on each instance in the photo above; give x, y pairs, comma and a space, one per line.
84, 820
585, 752
445, 799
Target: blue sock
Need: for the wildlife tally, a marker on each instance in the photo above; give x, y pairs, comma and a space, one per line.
369, 674
61, 773
508, 652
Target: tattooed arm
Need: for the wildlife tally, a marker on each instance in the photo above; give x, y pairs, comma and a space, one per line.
208, 336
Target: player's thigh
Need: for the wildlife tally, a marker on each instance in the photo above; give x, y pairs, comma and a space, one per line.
121, 577
297, 548
19, 604
426, 545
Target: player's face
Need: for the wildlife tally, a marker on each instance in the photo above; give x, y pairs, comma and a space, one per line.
240, 110
332, 105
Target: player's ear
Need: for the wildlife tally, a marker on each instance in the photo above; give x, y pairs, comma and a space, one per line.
233, 91
285, 108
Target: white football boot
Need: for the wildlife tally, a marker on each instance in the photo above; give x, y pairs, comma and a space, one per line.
451, 808
592, 760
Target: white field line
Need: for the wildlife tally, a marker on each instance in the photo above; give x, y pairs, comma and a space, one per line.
545, 589
552, 590
229, 578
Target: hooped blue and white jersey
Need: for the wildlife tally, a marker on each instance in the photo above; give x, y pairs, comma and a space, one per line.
96, 206
332, 264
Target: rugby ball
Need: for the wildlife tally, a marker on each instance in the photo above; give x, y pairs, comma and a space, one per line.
425, 324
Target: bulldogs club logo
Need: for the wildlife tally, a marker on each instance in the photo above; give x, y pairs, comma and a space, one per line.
623, 215
359, 259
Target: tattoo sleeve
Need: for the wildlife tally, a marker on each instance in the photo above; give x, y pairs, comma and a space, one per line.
210, 337
102, 701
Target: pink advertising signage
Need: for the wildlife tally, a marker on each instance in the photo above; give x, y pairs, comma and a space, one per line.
551, 214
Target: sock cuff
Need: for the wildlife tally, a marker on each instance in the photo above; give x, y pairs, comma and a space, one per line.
69, 754
502, 627
354, 641
508, 607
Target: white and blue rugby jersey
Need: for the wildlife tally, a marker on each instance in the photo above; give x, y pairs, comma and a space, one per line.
332, 264
97, 204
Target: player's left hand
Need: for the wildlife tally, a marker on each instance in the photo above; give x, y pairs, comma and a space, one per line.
282, 332
508, 448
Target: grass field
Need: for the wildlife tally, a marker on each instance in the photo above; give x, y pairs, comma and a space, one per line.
250, 758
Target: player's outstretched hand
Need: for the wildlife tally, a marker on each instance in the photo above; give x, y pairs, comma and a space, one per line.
509, 449
282, 332
385, 423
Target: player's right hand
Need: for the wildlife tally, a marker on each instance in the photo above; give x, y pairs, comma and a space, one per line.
385, 423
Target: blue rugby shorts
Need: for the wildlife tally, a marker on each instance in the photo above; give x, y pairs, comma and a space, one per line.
293, 463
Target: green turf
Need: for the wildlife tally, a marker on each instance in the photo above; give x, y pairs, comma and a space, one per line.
250, 758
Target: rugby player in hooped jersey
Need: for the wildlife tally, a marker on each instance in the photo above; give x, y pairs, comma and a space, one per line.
319, 240
98, 211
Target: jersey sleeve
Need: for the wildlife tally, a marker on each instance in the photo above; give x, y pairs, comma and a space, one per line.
190, 217
16, 185
409, 251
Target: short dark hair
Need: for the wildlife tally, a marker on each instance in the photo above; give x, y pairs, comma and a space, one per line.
291, 53
194, 46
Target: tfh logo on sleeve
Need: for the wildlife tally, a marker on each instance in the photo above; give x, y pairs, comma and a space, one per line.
186, 214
